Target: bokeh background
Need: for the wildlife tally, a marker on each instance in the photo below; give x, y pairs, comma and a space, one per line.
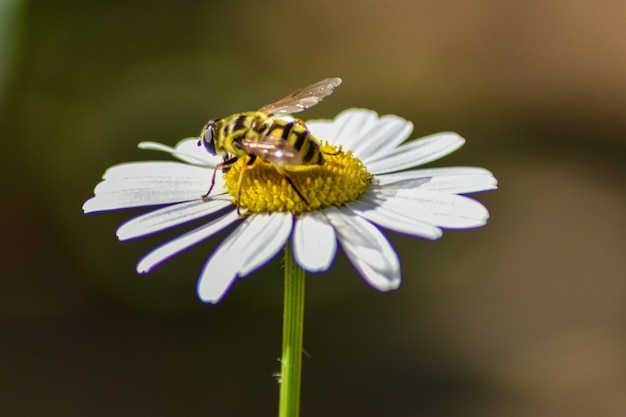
524, 317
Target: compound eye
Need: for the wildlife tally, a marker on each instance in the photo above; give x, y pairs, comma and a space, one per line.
208, 137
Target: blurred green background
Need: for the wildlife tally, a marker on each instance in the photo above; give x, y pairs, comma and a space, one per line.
524, 317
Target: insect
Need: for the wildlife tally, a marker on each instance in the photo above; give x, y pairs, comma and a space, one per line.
263, 134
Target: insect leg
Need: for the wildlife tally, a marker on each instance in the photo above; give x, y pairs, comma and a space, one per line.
337, 152
290, 181
296, 190
225, 164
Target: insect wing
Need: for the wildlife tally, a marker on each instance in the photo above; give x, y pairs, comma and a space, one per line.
273, 150
303, 98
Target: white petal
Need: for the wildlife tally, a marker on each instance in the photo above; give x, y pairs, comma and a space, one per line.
190, 147
220, 270
163, 169
445, 210
346, 128
266, 240
415, 153
351, 127
367, 248
321, 129
386, 134
251, 245
179, 244
314, 242
113, 195
186, 150
400, 222
362, 131
141, 184
454, 180
170, 216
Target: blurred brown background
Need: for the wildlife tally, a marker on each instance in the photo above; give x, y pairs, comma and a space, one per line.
524, 317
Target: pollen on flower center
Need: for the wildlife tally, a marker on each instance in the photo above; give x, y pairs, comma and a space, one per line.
342, 178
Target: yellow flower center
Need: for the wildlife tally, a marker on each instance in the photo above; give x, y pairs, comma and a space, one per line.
340, 179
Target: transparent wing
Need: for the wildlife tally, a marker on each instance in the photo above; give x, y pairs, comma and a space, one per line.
272, 149
303, 98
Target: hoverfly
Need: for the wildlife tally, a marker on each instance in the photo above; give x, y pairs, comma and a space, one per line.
265, 135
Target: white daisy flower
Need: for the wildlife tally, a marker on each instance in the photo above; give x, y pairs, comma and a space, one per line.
365, 183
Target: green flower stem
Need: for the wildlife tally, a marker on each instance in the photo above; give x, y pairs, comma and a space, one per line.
293, 321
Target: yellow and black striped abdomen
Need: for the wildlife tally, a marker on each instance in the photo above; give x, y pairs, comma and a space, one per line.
297, 136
